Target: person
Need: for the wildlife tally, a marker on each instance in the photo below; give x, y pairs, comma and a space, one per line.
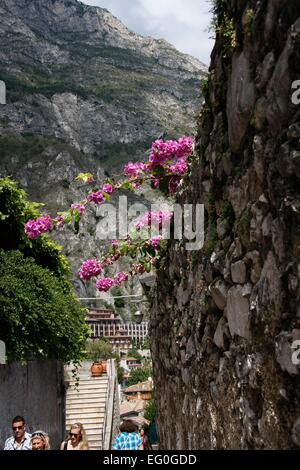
146, 443
128, 437
77, 439
40, 440
21, 440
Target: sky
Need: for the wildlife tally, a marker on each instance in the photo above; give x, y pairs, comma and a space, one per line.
183, 23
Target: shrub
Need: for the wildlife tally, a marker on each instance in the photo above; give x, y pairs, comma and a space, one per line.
39, 315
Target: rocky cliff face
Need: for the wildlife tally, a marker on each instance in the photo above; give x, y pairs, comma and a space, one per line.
225, 318
84, 94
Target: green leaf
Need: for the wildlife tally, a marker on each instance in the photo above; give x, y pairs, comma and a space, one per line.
127, 185
85, 177
123, 248
148, 267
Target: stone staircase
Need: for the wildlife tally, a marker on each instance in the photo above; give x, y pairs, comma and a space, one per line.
86, 404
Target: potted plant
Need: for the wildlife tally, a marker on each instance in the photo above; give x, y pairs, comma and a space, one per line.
93, 354
99, 350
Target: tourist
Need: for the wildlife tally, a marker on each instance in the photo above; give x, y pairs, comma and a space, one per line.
146, 444
20, 439
40, 441
77, 439
128, 437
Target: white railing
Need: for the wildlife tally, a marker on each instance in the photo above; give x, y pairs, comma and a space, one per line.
109, 405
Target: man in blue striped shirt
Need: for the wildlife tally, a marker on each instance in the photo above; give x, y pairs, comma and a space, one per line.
21, 439
128, 438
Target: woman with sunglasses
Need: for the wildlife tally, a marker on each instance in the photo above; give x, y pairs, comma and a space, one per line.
77, 439
40, 441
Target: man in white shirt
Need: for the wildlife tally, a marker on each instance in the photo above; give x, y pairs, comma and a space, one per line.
20, 440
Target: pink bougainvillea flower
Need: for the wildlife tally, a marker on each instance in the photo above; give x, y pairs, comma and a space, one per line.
59, 220
179, 168
154, 182
120, 277
78, 207
133, 170
34, 228
154, 241
152, 216
173, 184
103, 285
108, 188
90, 268
97, 197
138, 268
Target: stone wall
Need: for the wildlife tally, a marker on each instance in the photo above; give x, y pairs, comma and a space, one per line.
36, 392
224, 318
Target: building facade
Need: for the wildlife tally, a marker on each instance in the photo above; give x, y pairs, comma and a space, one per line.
105, 323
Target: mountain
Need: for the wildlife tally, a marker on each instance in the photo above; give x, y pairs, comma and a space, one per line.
84, 94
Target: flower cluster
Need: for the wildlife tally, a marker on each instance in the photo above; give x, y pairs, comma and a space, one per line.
104, 284
155, 241
90, 268
134, 170
78, 207
167, 161
164, 169
170, 150
154, 218
34, 228
97, 197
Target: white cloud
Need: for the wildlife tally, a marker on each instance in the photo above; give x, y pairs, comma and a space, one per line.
183, 23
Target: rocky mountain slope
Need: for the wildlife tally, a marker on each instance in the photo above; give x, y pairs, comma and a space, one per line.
84, 94
226, 318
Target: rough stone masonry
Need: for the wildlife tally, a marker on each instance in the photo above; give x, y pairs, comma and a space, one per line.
224, 318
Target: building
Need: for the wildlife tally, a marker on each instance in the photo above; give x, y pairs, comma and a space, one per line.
140, 391
134, 410
105, 323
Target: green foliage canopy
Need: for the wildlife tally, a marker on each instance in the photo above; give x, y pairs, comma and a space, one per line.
140, 374
39, 315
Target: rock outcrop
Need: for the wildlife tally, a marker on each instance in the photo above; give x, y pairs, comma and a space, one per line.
225, 373
84, 94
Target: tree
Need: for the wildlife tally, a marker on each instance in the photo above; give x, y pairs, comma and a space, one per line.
116, 291
99, 349
150, 410
140, 374
39, 315
146, 343
134, 353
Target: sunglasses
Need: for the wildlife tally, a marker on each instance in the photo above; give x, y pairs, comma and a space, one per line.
74, 434
15, 428
38, 434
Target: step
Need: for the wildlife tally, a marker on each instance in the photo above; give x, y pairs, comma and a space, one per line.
96, 447
91, 426
95, 420
88, 401
97, 440
85, 410
98, 386
99, 404
85, 378
84, 418
89, 382
94, 434
86, 395
88, 413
